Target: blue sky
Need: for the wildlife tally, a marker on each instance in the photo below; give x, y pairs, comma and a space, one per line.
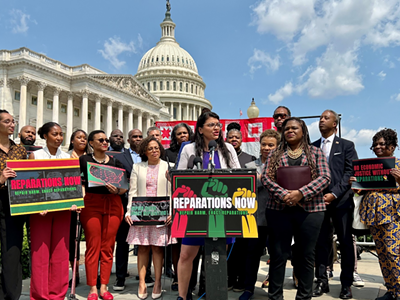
309, 55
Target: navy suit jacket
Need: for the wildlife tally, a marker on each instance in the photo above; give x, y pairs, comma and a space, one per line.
341, 159
126, 159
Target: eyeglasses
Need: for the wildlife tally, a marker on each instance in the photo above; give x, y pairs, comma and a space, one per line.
101, 141
153, 149
137, 136
213, 125
282, 116
8, 122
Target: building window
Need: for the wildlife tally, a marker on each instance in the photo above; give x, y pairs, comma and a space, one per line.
161, 86
191, 88
180, 86
148, 86
63, 108
101, 118
154, 86
152, 59
187, 87
174, 85
162, 58
76, 112
17, 95
89, 115
157, 59
196, 90
49, 104
34, 100
173, 58
177, 59
167, 58
167, 85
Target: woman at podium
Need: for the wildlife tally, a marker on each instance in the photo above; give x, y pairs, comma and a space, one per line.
295, 175
208, 132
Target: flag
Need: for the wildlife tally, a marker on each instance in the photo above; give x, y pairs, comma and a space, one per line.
241, 113
251, 131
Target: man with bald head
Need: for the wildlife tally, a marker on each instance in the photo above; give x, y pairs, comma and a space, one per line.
27, 135
117, 141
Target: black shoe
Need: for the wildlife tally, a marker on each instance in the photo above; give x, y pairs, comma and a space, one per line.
119, 285
76, 282
238, 287
388, 296
179, 298
345, 293
149, 281
320, 289
170, 273
175, 286
189, 295
246, 295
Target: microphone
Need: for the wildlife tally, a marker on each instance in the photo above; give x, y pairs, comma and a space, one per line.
190, 163
198, 162
212, 145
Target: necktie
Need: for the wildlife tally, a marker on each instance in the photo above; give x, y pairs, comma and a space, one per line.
325, 148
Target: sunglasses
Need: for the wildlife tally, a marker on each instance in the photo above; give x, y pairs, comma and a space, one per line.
137, 136
101, 141
282, 116
117, 136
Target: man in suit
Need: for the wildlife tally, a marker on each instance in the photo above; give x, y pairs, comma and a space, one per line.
116, 141
127, 158
338, 197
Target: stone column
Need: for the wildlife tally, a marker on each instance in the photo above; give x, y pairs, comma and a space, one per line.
171, 110
84, 116
2, 94
194, 113
70, 114
130, 119
147, 121
97, 113
120, 117
22, 103
8, 94
199, 111
40, 107
109, 117
179, 112
187, 111
56, 95
139, 120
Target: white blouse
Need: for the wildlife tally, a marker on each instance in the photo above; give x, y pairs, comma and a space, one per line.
45, 154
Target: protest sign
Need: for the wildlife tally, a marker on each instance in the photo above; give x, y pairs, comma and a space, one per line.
149, 210
45, 184
221, 204
374, 173
99, 175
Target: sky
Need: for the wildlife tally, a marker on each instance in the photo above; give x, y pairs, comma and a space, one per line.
308, 55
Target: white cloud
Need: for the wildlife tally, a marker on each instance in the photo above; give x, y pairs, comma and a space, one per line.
387, 62
360, 138
381, 75
113, 47
338, 29
19, 21
395, 97
282, 93
260, 59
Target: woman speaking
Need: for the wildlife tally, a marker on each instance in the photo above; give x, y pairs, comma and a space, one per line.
208, 128
294, 212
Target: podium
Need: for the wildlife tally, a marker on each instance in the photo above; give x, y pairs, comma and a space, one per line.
214, 205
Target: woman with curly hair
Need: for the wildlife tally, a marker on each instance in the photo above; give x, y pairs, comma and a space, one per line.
180, 134
294, 213
380, 209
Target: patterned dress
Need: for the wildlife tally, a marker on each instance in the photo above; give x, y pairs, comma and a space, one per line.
150, 235
380, 209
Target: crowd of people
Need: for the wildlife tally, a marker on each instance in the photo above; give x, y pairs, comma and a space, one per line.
294, 223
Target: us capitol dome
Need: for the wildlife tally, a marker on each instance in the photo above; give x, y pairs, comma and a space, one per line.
170, 73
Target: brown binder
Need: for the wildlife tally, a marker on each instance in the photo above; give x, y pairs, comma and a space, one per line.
293, 177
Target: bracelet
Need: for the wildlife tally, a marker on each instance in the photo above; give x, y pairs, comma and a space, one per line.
118, 191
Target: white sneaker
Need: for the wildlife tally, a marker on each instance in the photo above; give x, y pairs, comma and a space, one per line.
357, 281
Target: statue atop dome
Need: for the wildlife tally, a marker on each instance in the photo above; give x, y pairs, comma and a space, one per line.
168, 6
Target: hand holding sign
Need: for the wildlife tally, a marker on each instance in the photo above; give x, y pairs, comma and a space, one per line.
249, 223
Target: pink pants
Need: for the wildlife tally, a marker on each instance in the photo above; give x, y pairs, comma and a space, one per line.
50, 243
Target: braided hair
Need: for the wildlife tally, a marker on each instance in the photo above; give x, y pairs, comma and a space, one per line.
276, 156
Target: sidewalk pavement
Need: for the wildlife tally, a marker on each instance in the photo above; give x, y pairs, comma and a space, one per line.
368, 268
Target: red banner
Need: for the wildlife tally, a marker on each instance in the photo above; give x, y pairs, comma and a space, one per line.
251, 130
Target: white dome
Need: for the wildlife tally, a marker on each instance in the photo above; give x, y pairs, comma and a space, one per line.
167, 54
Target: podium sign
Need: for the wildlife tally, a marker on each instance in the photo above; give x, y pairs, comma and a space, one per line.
217, 205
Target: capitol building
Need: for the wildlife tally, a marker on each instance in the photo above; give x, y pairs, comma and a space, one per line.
36, 89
